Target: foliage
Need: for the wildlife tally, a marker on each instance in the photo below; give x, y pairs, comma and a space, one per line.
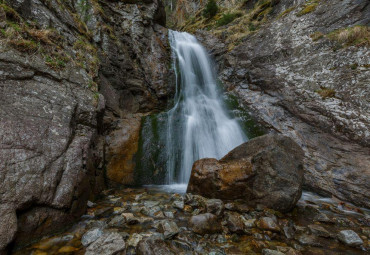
352, 36
227, 18
211, 9
286, 12
309, 7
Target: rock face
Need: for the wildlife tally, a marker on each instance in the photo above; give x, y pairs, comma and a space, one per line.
298, 79
74, 75
266, 170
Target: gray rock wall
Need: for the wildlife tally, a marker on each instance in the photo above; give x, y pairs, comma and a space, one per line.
278, 72
69, 71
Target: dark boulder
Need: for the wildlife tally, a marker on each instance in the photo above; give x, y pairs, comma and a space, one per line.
267, 170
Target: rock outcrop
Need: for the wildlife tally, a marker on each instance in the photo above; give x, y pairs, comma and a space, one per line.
266, 170
302, 68
74, 74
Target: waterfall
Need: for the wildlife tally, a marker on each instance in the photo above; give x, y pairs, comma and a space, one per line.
198, 125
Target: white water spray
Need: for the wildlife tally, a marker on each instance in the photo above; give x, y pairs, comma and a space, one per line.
198, 123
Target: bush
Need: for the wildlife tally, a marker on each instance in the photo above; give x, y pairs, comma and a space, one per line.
227, 18
211, 9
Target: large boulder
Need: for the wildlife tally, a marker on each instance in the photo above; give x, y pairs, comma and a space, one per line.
267, 170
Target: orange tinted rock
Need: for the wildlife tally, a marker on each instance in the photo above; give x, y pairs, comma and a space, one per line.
122, 146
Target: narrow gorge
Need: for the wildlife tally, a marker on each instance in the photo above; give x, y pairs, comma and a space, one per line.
184, 127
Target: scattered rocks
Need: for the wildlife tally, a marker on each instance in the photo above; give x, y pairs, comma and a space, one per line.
350, 237
206, 223
107, 244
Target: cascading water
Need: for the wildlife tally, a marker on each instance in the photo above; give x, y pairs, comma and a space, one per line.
198, 125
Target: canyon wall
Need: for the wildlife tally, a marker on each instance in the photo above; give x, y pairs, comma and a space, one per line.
74, 75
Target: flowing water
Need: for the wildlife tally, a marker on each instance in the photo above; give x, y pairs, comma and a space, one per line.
198, 123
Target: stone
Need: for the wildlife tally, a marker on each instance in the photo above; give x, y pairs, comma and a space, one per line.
249, 223
90, 204
234, 222
178, 204
107, 244
168, 228
311, 240
268, 223
169, 214
103, 212
153, 246
350, 238
117, 221
215, 206
122, 146
90, 236
206, 223
318, 230
271, 252
265, 170
130, 218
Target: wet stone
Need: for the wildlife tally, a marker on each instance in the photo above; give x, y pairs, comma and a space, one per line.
249, 223
107, 244
271, 252
206, 223
234, 222
169, 214
350, 238
130, 218
117, 221
103, 212
268, 223
215, 206
150, 204
305, 239
90, 236
90, 204
318, 230
178, 205
153, 246
168, 228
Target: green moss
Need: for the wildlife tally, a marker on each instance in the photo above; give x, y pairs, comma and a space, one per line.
24, 45
56, 61
286, 12
309, 7
247, 122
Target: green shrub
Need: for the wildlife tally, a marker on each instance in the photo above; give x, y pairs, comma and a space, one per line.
211, 9
227, 18
252, 27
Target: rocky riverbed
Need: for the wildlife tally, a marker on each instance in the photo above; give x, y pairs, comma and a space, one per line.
153, 221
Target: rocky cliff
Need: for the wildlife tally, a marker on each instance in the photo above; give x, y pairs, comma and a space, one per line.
72, 75
302, 68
